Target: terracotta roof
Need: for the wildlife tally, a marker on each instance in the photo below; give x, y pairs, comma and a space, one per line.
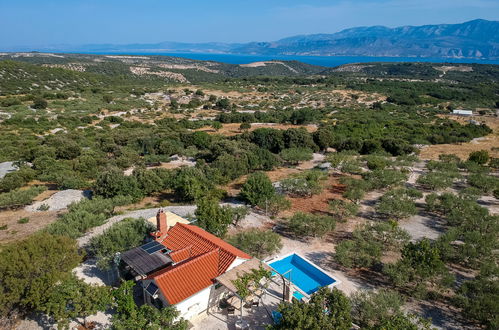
185, 279
200, 257
182, 254
181, 236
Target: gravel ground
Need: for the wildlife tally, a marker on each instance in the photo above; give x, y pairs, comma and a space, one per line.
6, 167
91, 274
60, 200
422, 226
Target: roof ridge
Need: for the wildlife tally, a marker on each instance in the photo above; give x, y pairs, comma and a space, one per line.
189, 227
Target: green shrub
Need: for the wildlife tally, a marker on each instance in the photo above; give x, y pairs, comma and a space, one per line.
306, 183
375, 162
39, 103
295, 155
485, 183
306, 224
256, 242
398, 203
436, 180
480, 157
368, 244
84, 215
17, 198
379, 179
23, 220
30, 268
257, 189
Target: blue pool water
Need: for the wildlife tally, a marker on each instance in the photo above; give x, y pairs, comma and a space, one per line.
303, 274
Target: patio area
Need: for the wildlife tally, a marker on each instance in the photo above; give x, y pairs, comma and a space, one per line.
252, 316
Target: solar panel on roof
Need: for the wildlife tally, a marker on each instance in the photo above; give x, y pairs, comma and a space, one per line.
148, 245
152, 289
153, 249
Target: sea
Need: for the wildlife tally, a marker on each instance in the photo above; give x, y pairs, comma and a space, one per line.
326, 61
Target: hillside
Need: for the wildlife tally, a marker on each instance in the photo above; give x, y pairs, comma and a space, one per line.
150, 68
473, 39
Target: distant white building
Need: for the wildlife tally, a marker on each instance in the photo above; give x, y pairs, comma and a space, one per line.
462, 112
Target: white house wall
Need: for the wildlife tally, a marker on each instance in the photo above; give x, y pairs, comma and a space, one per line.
195, 304
198, 302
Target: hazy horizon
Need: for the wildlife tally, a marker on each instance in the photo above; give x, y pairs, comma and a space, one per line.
71, 22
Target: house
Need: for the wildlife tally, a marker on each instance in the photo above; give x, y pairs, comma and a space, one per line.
180, 266
462, 112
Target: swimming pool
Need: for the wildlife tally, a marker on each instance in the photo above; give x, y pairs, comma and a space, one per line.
302, 273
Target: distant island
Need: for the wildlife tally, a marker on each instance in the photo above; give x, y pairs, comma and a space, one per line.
477, 39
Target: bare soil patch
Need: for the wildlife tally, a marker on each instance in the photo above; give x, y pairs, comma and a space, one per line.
17, 231
317, 203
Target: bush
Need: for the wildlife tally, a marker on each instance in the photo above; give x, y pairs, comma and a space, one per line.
245, 126
398, 203
30, 268
479, 297
372, 308
15, 180
337, 158
480, 157
114, 183
295, 155
420, 267
23, 220
352, 166
275, 205
256, 242
39, 103
84, 215
485, 183
212, 217
257, 189
342, 210
436, 180
17, 198
304, 184
355, 188
311, 315
306, 224
379, 179
190, 183
119, 237
376, 162
368, 244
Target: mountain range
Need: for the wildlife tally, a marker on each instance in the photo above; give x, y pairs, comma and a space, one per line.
473, 39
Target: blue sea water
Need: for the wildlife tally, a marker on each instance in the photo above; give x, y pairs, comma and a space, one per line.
301, 273
327, 61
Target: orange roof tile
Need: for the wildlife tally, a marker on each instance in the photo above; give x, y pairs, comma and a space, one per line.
182, 254
200, 257
185, 279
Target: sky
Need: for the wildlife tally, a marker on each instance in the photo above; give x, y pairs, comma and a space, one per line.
77, 22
